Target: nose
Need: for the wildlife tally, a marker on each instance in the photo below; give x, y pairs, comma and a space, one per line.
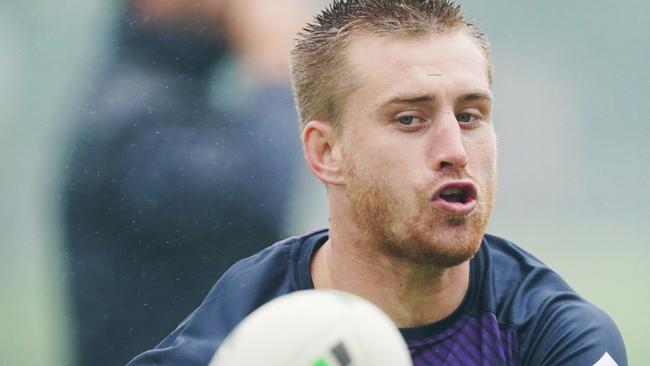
447, 148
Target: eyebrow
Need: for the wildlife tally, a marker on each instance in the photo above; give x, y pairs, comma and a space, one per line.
413, 100
430, 98
475, 96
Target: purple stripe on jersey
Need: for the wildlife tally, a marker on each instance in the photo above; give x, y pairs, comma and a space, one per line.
472, 340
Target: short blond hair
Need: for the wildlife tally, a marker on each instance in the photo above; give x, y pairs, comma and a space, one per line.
321, 75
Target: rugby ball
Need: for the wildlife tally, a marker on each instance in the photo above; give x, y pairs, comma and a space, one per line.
314, 328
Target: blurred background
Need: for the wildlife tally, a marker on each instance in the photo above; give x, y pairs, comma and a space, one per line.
189, 113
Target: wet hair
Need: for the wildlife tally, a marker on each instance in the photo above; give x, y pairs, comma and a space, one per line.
321, 74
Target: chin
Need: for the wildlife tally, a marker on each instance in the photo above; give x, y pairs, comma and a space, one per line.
445, 244
451, 250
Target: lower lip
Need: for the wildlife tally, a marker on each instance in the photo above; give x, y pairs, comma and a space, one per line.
455, 208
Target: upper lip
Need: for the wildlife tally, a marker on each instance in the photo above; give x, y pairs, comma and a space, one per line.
469, 189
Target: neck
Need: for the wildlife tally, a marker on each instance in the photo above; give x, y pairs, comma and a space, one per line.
410, 294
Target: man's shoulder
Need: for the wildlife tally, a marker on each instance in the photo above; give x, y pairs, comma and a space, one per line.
513, 271
271, 270
517, 285
248, 284
551, 319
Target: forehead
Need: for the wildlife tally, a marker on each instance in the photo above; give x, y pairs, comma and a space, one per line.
445, 64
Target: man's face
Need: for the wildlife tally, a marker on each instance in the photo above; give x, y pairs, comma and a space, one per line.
418, 146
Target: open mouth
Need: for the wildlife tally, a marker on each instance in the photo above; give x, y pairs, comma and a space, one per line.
458, 198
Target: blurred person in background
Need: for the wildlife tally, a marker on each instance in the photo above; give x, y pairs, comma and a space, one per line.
172, 176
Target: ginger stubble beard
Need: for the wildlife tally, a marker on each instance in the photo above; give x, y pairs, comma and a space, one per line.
422, 235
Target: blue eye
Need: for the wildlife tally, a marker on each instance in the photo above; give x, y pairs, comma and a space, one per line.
465, 118
406, 120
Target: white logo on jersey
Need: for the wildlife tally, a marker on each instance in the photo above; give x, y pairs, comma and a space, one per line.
606, 360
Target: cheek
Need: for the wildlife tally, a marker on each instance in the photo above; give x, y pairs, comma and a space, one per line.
482, 151
380, 171
377, 155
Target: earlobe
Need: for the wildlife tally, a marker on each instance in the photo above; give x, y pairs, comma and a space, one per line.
321, 150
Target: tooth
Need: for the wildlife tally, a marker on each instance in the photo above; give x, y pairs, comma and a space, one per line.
452, 190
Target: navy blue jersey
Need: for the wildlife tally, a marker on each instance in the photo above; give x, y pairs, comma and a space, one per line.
516, 312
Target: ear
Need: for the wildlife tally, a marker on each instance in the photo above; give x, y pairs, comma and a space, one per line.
322, 152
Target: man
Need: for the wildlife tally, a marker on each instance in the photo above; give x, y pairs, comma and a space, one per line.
395, 106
